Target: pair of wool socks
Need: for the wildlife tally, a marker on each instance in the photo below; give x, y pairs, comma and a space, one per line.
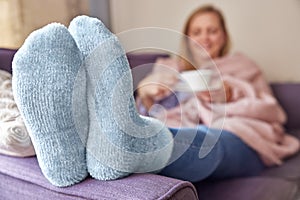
74, 90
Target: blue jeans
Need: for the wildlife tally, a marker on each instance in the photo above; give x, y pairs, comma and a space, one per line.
228, 156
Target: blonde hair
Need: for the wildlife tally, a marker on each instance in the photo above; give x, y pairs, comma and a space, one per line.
186, 54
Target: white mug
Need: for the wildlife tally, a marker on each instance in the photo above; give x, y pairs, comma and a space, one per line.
195, 80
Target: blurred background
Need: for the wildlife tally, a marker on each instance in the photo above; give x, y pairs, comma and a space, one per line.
268, 31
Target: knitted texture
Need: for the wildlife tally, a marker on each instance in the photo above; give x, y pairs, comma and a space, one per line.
45, 73
14, 137
120, 141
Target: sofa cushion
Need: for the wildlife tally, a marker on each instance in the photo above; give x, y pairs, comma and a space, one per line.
257, 188
14, 172
288, 95
6, 57
141, 64
138, 59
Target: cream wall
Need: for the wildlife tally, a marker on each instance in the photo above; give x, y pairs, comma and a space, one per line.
268, 31
18, 18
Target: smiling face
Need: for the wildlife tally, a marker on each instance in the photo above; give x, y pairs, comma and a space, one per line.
206, 30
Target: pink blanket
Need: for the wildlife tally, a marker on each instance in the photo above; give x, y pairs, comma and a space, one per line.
253, 114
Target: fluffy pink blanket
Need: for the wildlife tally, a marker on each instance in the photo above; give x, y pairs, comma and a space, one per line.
253, 114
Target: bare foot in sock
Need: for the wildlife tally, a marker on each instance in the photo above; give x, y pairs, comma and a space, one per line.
120, 141
45, 71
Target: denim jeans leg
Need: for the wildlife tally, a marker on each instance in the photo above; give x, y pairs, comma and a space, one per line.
185, 162
228, 156
239, 159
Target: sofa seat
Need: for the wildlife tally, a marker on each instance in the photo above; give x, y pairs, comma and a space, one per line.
276, 183
291, 168
21, 178
252, 188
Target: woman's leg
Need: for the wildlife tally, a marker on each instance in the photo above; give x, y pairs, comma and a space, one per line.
239, 159
229, 156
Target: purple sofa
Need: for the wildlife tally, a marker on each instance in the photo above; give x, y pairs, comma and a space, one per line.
21, 178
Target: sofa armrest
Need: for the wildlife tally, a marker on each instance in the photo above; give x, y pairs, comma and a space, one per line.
18, 173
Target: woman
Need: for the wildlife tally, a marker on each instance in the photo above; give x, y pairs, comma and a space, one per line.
253, 115
205, 27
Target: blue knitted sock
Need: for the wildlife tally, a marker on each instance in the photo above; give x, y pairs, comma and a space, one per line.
49, 87
120, 141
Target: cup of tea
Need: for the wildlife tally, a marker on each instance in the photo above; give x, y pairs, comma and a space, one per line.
195, 80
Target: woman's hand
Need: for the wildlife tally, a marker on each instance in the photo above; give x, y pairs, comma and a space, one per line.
222, 95
155, 87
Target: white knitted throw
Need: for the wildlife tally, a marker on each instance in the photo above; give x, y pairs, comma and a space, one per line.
14, 138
